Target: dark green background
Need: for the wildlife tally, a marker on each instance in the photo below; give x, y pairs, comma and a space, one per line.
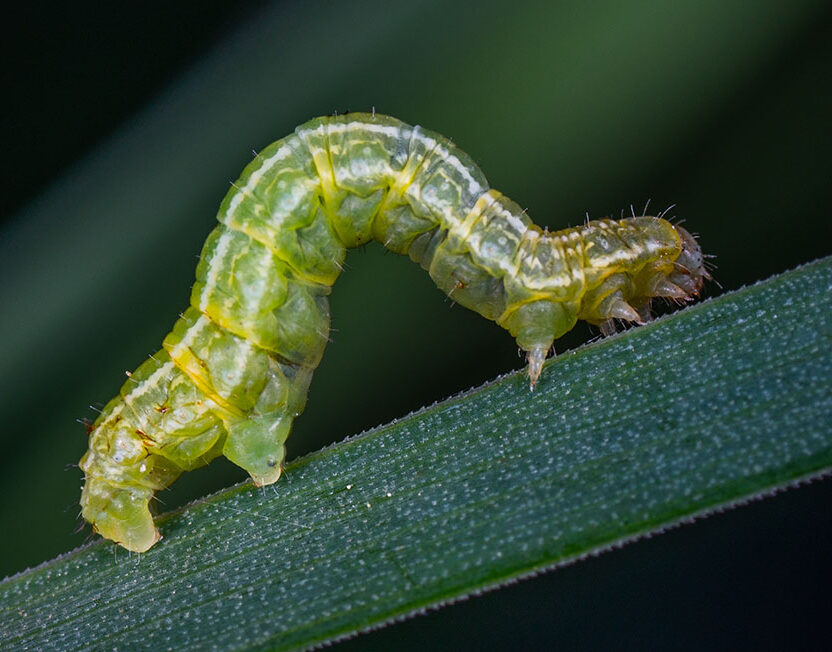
121, 134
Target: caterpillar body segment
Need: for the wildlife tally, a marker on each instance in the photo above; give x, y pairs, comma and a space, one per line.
234, 371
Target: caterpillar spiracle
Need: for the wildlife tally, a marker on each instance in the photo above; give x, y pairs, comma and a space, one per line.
234, 372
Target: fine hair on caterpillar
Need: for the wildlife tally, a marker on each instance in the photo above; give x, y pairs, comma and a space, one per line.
234, 371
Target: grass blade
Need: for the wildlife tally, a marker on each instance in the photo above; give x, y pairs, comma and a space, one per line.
709, 407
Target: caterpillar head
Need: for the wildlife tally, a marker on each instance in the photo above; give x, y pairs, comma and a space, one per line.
689, 268
626, 296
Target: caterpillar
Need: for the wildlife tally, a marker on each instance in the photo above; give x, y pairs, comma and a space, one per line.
233, 373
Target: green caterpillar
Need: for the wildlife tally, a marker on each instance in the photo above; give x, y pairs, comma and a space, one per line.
234, 372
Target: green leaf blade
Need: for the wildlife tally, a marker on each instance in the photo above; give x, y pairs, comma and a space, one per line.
712, 406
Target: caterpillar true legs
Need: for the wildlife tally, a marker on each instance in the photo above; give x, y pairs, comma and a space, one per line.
234, 372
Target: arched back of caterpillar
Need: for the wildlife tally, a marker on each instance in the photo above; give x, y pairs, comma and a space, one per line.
234, 372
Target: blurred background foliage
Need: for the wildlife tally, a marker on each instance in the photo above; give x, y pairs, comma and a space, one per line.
122, 129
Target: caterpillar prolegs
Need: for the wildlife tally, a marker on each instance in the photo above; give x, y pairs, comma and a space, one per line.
234, 372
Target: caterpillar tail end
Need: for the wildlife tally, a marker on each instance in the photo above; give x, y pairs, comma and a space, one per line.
119, 514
